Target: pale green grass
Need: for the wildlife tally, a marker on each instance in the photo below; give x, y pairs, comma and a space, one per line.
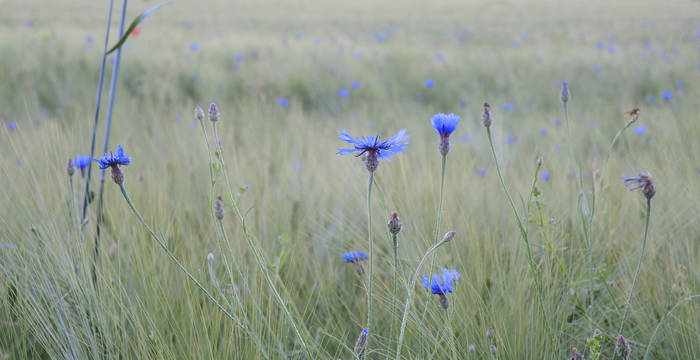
306, 205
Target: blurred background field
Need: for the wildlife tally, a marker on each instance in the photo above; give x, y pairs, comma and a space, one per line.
287, 76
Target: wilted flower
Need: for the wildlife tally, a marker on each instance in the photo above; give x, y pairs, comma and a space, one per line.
486, 116
449, 236
634, 113
219, 209
644, 182
361, 343
213, 113
565, 94
444, 124
198, 113
70, 168
394, 224
374, 147
623, 348
575, 355
114, 160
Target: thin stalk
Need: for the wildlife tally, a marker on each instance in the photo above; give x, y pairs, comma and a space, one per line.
438, 218
98, 102
257, 252
409, 296
523, 233
395, 293
653, 335
586, 218
639, 266
108, 125
371, 261
171, 256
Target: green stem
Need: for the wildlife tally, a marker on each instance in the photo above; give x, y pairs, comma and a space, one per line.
438, 219
409, 295
396, 275
639, 266
523, 233
257, 252
681, 302
170, 254
371, 262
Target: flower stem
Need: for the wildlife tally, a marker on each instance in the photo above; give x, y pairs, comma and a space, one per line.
438, 218
257, 252
639, 265
523, 233
409, 295
171, 256
371, 261
396, 275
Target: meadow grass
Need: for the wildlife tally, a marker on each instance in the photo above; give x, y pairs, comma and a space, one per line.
304, 205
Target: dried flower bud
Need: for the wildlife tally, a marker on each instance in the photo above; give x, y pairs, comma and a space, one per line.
210, 257
33, 228
449, 236
575, 355
565, 94
117, 175
372, 161
361, 343
490, 333
486, 116
219, 209
70, 168
198, 113
112, 253
493, 349
623, 348
472, 349
540, 160
634, 115
394, 224
213, 113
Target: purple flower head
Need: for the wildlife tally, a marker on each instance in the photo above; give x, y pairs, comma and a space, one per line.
643, 182
441, 285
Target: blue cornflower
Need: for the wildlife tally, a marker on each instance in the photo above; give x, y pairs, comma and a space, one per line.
545, 176
511, 139
480, 171
667, 95
640, 130
429, 83
596, 68
343, 93
354, 256
194, 46
374, 147
651, 100
82, 162
283, 102
355, 84
442, 285
114, 160
11, 125
444, 124
543, 131
600, 44
508, 107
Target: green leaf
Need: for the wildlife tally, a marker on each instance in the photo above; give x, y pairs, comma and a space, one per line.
133, 26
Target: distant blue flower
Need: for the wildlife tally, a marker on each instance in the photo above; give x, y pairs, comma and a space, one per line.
556, 122
667, 95
429, 83
480, 171
600, 44
30, 23
508, 107
545, 176
239, 57
194, 46
296, 165
462, 104
511, 139
299, 35
357, 54
662, 54
82, 161
354, 257
355, 84
343, 93
543, 131
680, 84
444, 124
114, 160
612, 48
283, 102
194, 124
11, 125
441, 57
646, 44
596, 68
373, 145
441, 285
640, 130
651, 100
